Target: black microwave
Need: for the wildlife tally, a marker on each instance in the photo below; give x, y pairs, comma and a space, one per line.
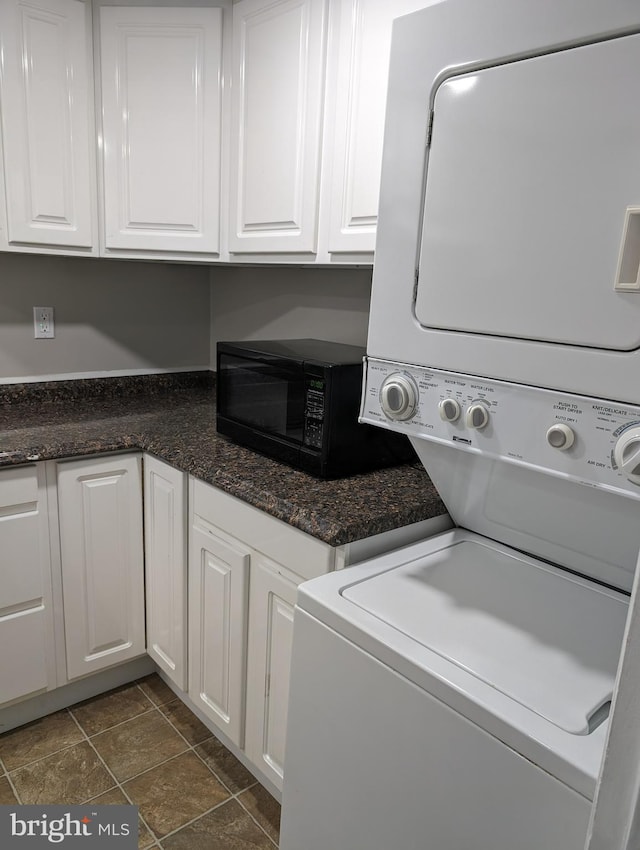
297, 401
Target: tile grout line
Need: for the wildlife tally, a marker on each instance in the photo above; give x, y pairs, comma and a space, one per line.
48, 755
102, 761
115, 725
136, 682
68, 710
85, 737
253, 818
113, 776
193, 820
192, 748
120, 785
213, 809
14, 789
233, 795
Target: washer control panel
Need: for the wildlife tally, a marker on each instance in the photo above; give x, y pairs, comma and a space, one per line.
596, 442
399, 396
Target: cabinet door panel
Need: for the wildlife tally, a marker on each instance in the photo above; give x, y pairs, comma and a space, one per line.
218, 582
166, 567
23, 673
277, 108
271, 604
26, 616
47, 121
358, 123
100, 506
20, 544
161, 89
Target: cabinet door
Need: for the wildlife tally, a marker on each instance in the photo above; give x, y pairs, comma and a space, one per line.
218, 584
47, 122
161, 100
356, 118
27, 657
100, 515
278, 82
271, 604
165, 520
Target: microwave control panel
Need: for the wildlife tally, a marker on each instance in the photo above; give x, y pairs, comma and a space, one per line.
314, 413
594, 441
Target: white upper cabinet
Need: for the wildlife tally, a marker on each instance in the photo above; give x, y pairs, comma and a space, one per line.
355, 118
248, 132
307, 120
161, 117
47, 125
277, 100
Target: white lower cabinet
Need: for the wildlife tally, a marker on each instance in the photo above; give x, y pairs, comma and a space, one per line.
101, 550
244, 569
165, 535
218, 585
221, 585
27, 648
271, 603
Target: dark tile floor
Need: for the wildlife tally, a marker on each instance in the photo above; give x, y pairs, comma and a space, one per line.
139, 744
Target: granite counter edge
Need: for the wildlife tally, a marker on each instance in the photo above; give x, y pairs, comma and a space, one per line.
331, 532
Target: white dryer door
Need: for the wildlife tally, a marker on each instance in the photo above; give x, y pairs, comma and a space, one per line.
532, 168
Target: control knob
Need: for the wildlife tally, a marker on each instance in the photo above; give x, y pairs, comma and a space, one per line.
477, 416
627, 454
561, 436
398, 396
449, 410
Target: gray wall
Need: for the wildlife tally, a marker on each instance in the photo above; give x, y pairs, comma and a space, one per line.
110, 315
285, 302
120, 316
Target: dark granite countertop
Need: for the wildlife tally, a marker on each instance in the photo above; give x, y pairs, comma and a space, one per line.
173, 418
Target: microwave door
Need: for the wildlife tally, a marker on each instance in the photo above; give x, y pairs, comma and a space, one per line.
263, 395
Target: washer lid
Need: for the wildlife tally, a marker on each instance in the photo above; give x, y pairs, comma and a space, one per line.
539, 635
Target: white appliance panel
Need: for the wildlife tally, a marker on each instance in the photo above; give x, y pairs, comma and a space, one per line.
574, 506
452, 40
375, 762
572, 758
531, 169
550, 517
523, 627
518, 422
453, 694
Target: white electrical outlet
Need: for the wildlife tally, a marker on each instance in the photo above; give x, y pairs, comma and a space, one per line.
43, 326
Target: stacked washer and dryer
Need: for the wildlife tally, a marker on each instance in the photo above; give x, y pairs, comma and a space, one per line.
456, 694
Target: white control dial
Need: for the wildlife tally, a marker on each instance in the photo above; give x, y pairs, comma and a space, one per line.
398, 396
477, 416
627, 454
561, 436
449, 410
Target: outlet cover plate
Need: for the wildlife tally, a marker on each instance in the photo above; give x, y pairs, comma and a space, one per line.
43, 325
